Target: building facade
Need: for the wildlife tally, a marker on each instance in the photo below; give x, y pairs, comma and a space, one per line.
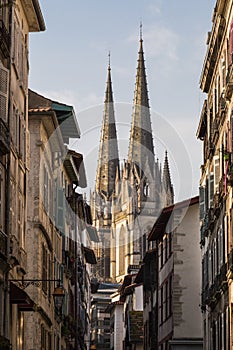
17, 20
100, 316
57, 238
215, 130
127, 197
172, 313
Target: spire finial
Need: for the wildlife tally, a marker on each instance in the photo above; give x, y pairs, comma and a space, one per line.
141, 29
109, 59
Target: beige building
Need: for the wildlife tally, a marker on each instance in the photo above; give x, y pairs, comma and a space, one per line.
215, 130
17, 19
174, 305
57, 231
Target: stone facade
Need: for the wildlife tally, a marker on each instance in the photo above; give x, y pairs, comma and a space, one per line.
57, 230
215, 130
17, 19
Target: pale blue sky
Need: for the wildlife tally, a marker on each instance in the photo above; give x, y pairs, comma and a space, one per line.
68, 62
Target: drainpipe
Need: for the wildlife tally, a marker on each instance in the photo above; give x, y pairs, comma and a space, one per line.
7, 189
75, 268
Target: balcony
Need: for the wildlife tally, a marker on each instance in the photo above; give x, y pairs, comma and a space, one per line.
5, 40
4, 139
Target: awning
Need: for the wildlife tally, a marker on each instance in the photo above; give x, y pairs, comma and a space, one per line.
67, 120
75, 167
21, 298
92, 233
89, 256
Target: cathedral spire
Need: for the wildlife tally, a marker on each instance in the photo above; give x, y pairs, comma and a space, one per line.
108, 161
141, 141
168, 192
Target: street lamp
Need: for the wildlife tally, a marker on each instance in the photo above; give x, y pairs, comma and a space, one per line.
58, 297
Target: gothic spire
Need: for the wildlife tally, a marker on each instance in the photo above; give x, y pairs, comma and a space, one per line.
108, 161
141, 141
167, 184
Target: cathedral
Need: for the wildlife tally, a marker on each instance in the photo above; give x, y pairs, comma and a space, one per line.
128, 197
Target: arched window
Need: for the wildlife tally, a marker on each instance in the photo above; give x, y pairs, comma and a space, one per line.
146, 189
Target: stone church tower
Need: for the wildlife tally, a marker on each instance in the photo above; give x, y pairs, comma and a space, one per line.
128, 198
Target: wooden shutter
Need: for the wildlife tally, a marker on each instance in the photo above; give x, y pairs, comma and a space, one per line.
211, 189
216, 174
60, 217
201, 202
4, 79
231, 41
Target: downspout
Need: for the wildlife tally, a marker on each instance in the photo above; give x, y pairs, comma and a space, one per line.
75, 268
8, 188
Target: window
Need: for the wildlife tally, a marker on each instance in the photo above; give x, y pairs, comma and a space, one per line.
49, 341
45, 194
43, 338
146, 189
231, 42
161, 305
166, 300
202, 202
4, 77
216, 174
170, 297
121, 249
169, 243
161, 253
2, 198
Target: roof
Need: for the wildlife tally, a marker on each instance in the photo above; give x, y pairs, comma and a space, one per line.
38, 104
111, 306
162, 221
34, 15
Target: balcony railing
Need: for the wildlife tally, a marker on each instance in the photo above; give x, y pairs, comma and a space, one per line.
5, 39
4, 139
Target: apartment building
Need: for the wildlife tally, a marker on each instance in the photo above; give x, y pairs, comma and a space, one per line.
17, 19
215, 130
176, 233
57, 236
